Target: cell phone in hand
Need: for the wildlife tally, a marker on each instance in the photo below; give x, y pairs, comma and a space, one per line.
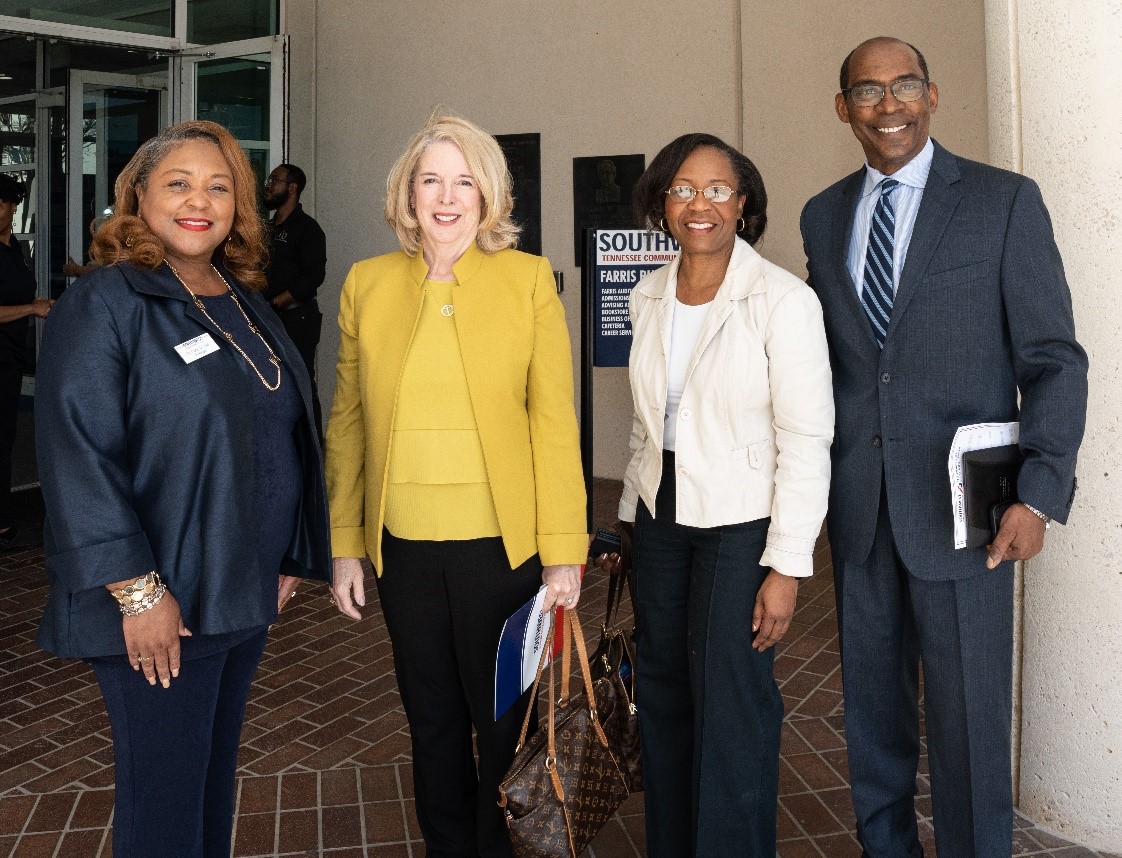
605, 542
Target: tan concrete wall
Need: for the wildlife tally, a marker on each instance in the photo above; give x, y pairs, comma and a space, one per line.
592, 79
1055, 79
792, 53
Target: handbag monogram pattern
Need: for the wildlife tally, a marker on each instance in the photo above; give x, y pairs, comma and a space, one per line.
565, 781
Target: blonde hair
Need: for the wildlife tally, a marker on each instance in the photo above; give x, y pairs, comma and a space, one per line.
126, 237
487, 164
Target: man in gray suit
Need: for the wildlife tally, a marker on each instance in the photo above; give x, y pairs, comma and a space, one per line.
944, 298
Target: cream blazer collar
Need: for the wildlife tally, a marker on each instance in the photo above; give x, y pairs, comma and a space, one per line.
743, 277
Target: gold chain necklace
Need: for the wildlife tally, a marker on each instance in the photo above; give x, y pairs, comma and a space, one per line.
273, 359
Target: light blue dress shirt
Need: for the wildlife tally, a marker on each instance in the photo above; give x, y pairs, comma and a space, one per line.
905, 200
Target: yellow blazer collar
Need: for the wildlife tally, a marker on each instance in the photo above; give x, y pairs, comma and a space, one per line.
466, 267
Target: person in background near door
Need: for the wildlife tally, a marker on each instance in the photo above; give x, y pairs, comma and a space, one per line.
17, 305
297, 266
945, 305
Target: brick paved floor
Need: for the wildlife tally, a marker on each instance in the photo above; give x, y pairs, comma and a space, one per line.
325, 762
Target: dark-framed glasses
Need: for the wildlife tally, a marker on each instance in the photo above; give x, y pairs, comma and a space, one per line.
714, 193
871, 94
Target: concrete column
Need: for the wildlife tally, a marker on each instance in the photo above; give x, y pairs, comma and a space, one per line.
1054, 78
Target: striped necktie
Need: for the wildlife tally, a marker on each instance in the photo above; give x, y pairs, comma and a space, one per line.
877, 290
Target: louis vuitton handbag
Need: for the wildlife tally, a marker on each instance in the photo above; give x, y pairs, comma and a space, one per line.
614, 659
566, 781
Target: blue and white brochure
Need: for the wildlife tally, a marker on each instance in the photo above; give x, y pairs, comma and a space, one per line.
520, 648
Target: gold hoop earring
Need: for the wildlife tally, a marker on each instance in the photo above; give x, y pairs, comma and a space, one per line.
662, 226
128, 241
228, 245
741, 223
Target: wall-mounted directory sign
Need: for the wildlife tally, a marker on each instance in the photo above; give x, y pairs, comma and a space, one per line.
617, 259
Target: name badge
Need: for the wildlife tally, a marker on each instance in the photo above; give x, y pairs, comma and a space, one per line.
193, 349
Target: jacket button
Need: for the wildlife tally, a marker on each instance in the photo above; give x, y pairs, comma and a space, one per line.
684, 414
886, 378
683, 472
876, 441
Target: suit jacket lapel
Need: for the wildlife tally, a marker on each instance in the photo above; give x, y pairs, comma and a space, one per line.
940, 199
842, 232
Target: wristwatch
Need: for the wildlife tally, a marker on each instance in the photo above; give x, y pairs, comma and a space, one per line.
1044, 518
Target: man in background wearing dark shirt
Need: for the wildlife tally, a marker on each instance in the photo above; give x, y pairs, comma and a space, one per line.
297, 266
17, 305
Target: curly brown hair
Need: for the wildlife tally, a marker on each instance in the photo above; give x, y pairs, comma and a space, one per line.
126, 237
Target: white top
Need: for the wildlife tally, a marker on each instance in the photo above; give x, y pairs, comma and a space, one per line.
684, 331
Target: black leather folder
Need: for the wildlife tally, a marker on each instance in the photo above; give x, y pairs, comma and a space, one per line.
989, 483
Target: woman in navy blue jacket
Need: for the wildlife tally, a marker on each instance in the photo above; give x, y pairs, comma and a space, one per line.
183, 482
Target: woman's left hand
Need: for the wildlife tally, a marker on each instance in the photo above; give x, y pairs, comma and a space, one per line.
286, 589
775, 605
563, 586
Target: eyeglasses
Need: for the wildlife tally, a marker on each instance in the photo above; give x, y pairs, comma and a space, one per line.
714, 193
273, 180
871, 94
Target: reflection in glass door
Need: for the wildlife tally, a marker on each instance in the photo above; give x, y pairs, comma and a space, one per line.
110, 115
18, 159
241, 86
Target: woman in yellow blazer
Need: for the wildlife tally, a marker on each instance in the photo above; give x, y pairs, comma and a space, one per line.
453, 463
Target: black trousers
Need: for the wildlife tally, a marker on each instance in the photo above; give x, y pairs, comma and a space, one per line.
445, 604
11, 381
710, 713
303, 325
176, 752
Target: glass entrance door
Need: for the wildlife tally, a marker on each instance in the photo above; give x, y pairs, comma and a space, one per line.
241, 85
109, 116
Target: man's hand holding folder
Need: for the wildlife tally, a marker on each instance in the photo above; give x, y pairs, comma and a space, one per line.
1020, 537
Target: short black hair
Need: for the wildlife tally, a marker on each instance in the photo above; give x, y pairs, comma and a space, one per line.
843, 76
11, 190
649, 197
295, 176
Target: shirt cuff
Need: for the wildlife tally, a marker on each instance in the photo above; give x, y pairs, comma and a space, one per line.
789, 555
627, 505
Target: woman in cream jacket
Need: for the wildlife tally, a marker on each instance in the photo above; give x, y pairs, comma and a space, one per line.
453, 463
727, 487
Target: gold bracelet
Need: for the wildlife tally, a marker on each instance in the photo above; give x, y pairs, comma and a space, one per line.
148, 602
134, 593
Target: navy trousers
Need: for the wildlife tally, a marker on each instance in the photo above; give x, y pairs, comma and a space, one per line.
445, 604
962, 632
710, 713
11, 382
176, 752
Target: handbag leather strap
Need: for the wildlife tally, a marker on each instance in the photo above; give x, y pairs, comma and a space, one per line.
617, 579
